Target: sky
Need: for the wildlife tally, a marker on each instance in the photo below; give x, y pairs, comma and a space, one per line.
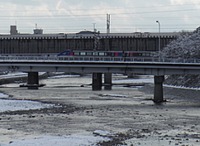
72, 16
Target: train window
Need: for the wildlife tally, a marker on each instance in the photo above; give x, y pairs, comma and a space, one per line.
95, 53
82, 53
147, 54
101, 54
89, 53
76, 53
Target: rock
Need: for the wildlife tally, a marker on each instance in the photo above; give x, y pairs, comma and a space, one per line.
101, 133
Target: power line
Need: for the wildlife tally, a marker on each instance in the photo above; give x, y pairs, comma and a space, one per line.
102, 14
113, 8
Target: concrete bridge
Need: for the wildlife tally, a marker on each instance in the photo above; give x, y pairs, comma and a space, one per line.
158, 68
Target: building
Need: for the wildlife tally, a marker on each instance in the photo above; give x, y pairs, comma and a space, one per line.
13, 30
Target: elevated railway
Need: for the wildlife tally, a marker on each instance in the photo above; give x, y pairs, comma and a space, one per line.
55, 43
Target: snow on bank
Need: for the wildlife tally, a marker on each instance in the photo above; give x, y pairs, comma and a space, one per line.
63, 76
144, 80
13, 75
71, 140
2, 95
15, 105
181, 87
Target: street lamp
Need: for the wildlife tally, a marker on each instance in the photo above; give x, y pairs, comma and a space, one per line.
159, 39
94, 26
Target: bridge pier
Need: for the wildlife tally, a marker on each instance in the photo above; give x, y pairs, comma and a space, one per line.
96, 81
33, 80
108, 81
158, 89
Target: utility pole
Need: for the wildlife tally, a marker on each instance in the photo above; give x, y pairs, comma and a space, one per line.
108, 23
108, 76
94, 26
96, 37
159, 39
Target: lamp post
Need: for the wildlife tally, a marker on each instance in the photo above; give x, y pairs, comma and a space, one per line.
159, 39
94, 27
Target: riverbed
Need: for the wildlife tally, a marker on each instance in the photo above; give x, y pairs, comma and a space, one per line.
124, 115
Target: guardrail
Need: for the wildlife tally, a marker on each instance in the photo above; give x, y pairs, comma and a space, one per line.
96, 59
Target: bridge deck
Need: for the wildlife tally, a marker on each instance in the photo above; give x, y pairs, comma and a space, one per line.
81, 66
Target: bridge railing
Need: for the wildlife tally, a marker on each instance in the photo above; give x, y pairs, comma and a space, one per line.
96, 59
172, 60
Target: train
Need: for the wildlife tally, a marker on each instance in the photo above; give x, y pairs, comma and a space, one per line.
135, 54
75, 55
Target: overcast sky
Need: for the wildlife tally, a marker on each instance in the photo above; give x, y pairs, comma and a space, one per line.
56, 16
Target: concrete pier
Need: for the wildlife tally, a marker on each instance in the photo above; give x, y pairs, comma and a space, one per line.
158, 89
33, 80
108, 81
96, 81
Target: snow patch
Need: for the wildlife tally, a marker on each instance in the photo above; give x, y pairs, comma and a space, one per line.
149, 80
64, 76
72, 140
13, 75
15, 105
2, 95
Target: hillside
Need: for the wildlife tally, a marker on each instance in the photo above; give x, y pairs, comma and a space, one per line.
186, 46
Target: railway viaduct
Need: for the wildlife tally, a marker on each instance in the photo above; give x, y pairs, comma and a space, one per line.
55, 43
